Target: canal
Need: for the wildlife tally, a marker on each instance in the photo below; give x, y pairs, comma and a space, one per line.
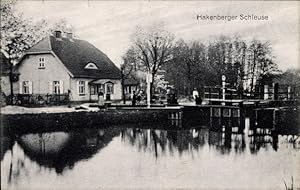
156, 155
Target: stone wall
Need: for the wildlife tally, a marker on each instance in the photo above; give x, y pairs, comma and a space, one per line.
52, 121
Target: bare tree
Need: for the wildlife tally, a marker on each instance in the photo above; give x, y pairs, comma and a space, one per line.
260, 61
126, 69
152, 47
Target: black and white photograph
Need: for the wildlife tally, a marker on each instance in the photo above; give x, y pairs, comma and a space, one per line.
149, 94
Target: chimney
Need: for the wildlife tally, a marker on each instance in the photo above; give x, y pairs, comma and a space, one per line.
57, 34
69, 36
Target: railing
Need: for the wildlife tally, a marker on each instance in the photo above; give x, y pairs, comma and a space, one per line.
212, 92
40, 99
283, 92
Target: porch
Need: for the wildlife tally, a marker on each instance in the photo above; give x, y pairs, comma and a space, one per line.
108, 87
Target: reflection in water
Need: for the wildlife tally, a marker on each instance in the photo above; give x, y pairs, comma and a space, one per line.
224, 140
56, 150
227, 145
184, 141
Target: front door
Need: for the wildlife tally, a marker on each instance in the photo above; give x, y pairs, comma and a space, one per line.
109, 90
99, 87
94, 90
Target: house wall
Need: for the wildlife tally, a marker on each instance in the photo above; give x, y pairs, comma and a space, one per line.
43, 78
75, 96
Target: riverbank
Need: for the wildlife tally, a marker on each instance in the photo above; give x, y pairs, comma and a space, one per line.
8, 110
36, 122
87, 107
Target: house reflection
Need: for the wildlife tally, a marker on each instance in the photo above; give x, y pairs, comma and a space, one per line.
63, 149
6, 145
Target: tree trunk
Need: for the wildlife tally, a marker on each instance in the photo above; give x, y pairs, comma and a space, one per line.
189, 77
152, 90
123, 89
189, 86
11, 82
253, 72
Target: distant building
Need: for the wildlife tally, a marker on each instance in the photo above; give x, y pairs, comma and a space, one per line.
60, 64
130, 85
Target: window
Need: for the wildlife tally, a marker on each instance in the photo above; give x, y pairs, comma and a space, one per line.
109, 88
93, 90
26, 87
91, 66
127, 89
81, 87
41, 63
56, 87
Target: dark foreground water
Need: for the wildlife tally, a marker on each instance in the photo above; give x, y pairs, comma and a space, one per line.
130, 157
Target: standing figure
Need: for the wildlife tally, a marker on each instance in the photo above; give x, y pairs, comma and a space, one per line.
195, 93
198, 100
69, 98
168, 94
133, 98
101, 99
139, 98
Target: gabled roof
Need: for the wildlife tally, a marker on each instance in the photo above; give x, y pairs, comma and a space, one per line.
131, 81
42, 46
75, 54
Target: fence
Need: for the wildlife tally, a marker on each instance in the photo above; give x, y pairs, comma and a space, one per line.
215, 92
276, 92
39, 99
279, 92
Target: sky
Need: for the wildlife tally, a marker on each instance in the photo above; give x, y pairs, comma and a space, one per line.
109, 24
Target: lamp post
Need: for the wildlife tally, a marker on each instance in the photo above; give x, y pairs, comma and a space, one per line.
148, 80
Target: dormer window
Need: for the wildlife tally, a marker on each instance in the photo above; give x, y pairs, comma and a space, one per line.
41, 63
91, 66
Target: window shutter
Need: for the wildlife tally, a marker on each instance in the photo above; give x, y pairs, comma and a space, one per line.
20, 87
50, 87
77, 87
61, 87
30, 87
86, 86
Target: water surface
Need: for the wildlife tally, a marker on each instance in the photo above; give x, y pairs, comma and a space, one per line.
130, 157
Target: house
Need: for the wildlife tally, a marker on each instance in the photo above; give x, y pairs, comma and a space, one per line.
130, 86
61, 64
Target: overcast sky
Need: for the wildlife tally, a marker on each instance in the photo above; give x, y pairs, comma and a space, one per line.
108, 25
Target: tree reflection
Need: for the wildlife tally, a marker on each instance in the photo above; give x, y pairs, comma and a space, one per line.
180, 141
224, 135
